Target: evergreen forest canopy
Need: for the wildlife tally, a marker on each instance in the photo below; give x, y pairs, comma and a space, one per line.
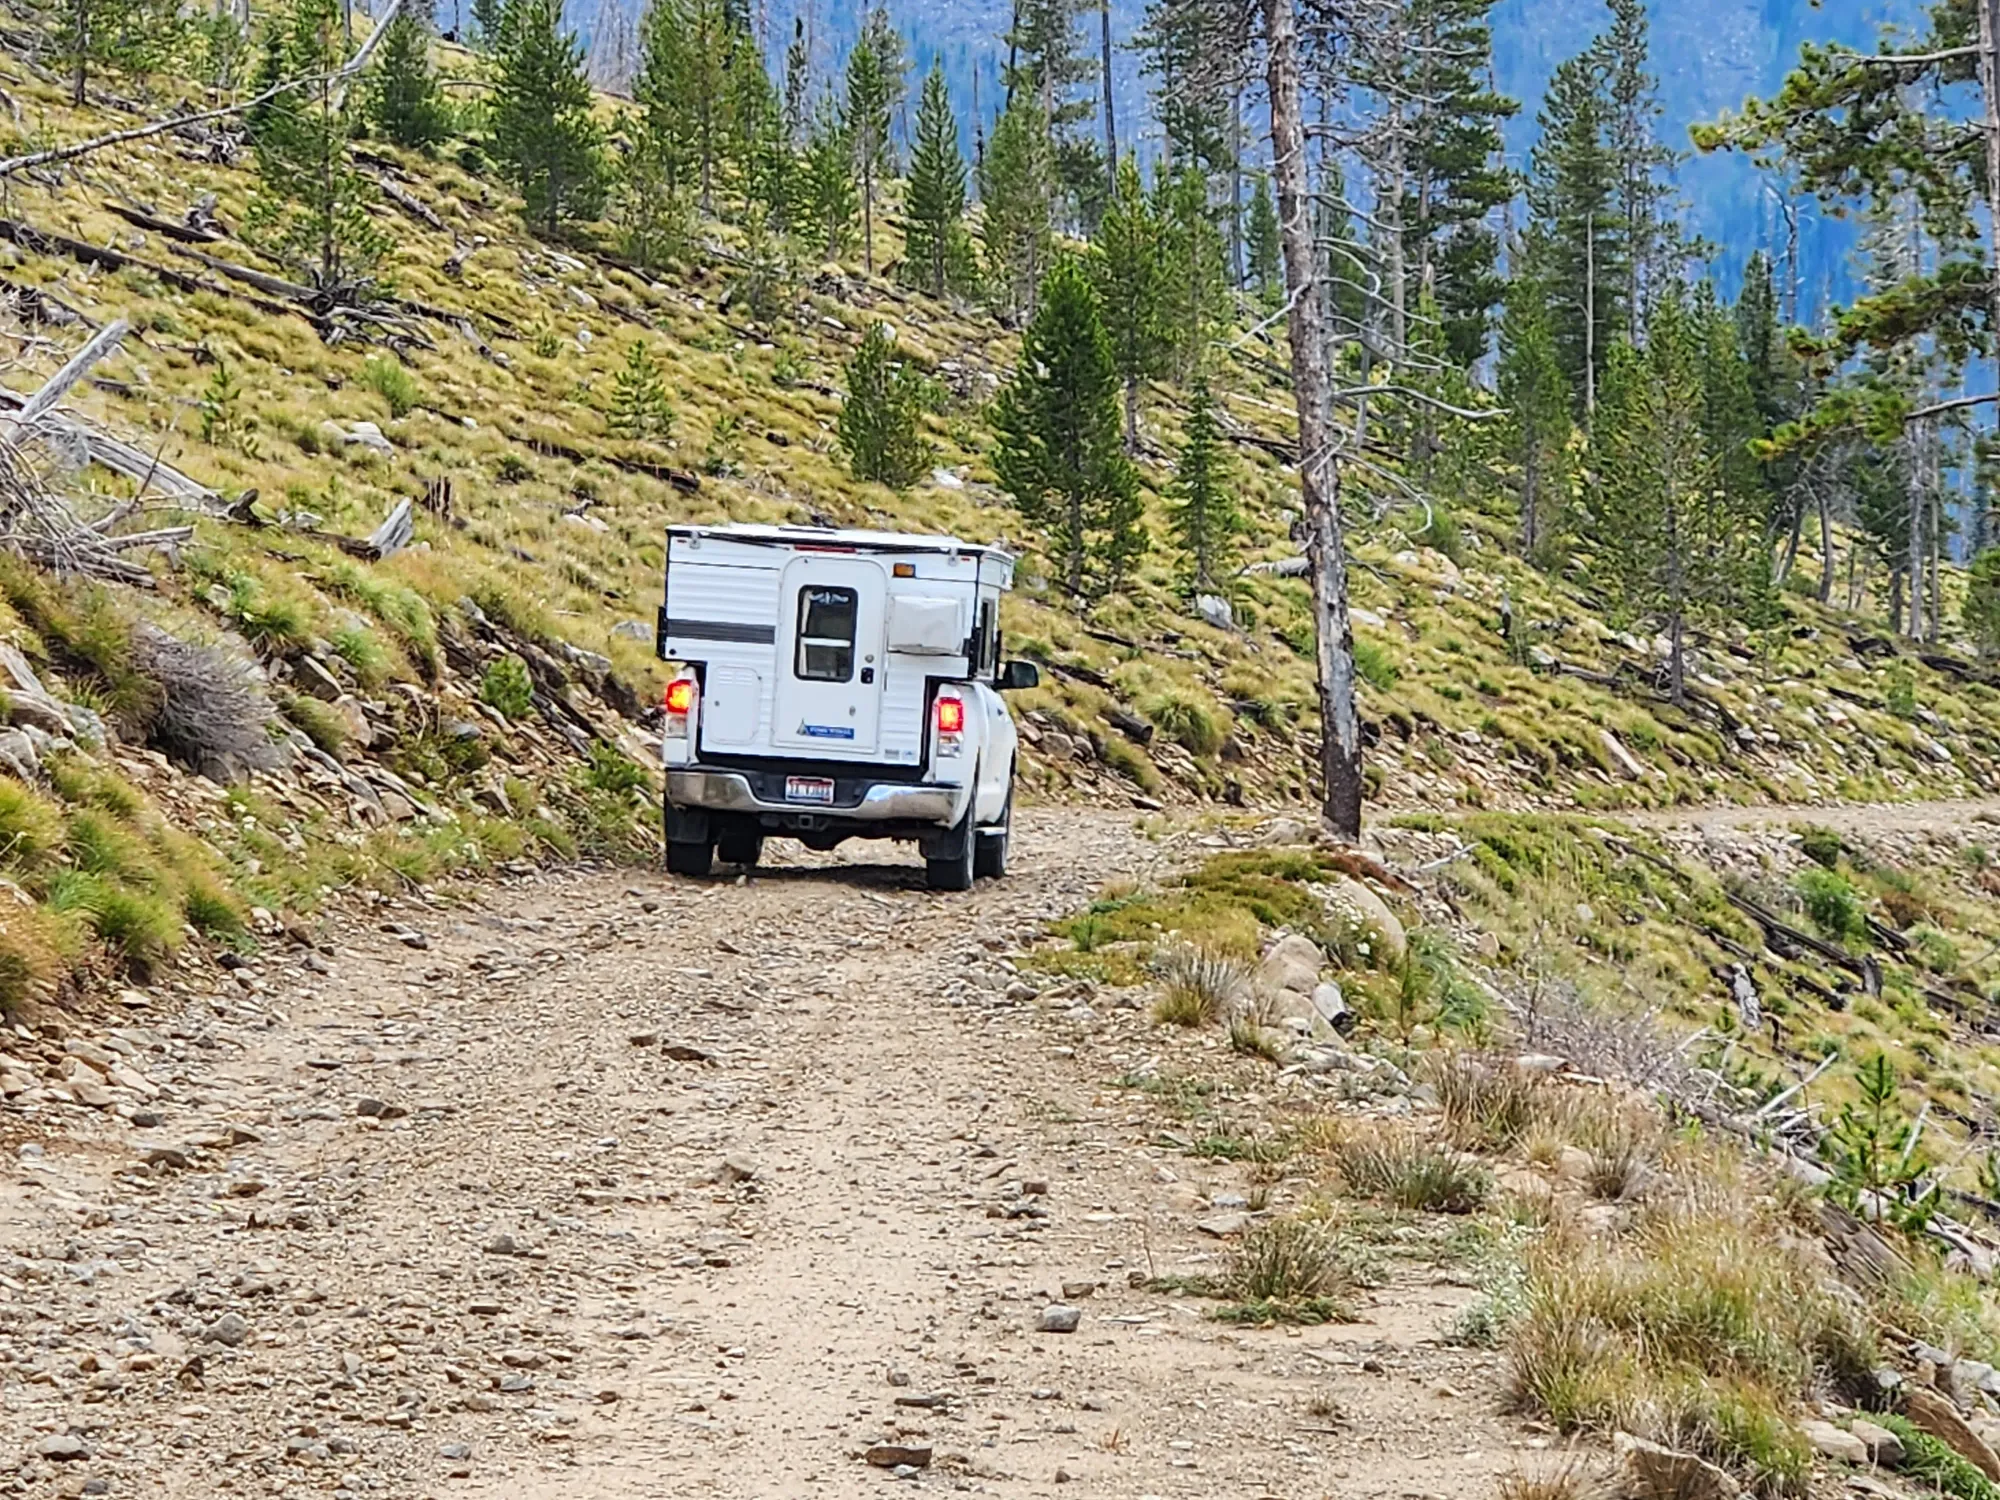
1547, 337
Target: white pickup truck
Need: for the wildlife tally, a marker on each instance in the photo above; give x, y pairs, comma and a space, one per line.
830, 685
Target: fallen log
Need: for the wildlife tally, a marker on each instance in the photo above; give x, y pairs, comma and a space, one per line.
410, 204
41, 309
47, 242
191, 234
391, 537
147, 470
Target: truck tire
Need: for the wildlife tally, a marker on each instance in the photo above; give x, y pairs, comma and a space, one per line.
740, 846
989, 859
689, 858
953, 872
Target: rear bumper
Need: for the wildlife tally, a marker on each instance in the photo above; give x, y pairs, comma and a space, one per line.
878, 802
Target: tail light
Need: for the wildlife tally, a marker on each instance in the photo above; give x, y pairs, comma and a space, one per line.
950, 724
682, 694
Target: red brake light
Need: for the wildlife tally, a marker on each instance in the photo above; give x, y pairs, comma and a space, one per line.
950, 716
680, 695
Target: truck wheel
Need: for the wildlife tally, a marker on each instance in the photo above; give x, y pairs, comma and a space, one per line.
953, 872
989, 859
689, 858
740, 846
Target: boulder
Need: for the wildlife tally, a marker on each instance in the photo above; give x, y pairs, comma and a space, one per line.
17, 755
1331, 1006
1215, 611
1359, 902
1836, 1443
1929, 1412
1653, 1472
1882, 1445
1290, 968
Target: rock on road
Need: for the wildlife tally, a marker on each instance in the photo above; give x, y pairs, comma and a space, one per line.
613, 1186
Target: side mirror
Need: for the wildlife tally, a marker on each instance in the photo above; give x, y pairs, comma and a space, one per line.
1016, 676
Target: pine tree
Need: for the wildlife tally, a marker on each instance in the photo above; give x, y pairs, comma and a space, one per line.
1200, 501
312, 207
1050, 69
937, 248
1537, 398
1197, 52
639, 405
1577, 246
405, 103
1129, 269
798, 87
880, 421
1980, 613
488, 16
1196, 266
828, 185
1452, 168
1651, 241
865, 115
1016, 182
1729, 408
686, 51
543, 131
654, 214
1672, 543
132, 37
891, 56
1266, 270
765, 162
1056, 432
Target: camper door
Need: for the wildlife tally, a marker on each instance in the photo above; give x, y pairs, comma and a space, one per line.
830, 636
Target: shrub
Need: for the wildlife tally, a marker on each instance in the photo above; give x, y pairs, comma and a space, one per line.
1190, 721
279, 623
1936, 1467
512, 469
507, 687
361, 651
214, 714
1199, 984
1832, 904
394, 384
1980, 613
612, 772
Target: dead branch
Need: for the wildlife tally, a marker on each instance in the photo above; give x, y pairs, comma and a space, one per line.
410, 204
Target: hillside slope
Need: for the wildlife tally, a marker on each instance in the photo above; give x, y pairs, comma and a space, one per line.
483, 401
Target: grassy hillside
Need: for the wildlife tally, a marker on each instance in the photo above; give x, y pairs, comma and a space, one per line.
538, 537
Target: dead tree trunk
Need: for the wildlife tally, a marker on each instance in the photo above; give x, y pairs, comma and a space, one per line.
1110, 112
1319, 477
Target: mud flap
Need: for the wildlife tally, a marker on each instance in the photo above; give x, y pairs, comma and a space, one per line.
687, 825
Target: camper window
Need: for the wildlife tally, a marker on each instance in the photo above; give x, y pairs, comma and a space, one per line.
826, 634
989, 638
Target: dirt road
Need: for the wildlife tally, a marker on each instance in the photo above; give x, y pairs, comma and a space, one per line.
623, 1187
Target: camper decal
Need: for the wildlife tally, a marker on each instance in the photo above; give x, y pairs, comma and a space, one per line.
826, 731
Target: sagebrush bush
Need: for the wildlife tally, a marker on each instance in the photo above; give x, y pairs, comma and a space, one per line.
214, 714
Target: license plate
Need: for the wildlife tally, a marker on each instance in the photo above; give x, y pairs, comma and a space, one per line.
808, 789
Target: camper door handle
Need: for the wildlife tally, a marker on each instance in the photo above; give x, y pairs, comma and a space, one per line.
867, 674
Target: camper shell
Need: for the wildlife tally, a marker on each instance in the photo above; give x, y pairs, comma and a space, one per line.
834, 684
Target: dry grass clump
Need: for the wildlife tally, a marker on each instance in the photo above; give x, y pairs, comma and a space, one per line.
1488, 1104
1704, 1328
1295, 1270
1199, 984
1401, 1168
